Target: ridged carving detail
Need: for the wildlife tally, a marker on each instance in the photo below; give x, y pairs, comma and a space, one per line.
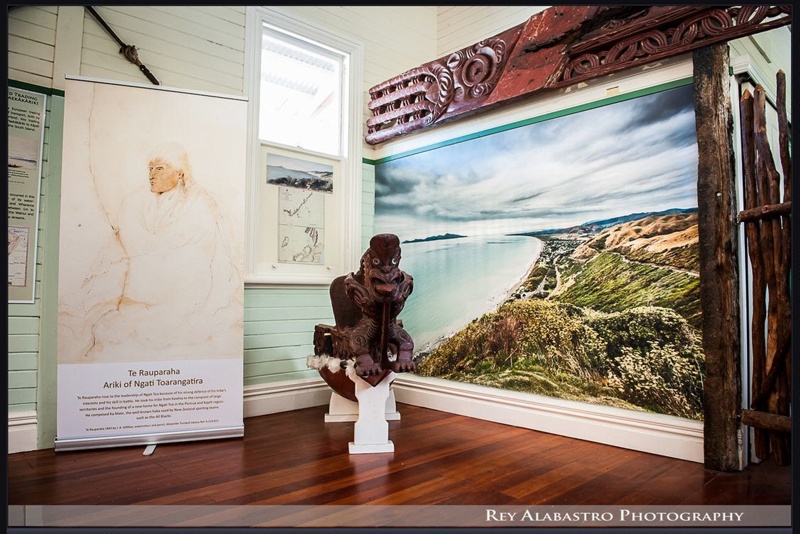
653, 44
419, 97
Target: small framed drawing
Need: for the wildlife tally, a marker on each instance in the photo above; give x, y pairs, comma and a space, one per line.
299, 217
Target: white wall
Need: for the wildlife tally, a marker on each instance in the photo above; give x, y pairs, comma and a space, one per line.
193, 47
31, 44
764, 54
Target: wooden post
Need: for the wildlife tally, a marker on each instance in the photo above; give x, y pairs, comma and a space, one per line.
767, 421
775, 239
767, 226
718, 268
759, 282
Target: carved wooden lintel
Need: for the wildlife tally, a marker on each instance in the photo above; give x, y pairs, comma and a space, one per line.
555, 48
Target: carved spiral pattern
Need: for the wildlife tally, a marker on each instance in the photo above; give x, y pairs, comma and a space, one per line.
360, 340
476, 70
709, 24
748, 15
445, 85
654, 41
420, 97
581, 65
624, 51
482, 66
716, 23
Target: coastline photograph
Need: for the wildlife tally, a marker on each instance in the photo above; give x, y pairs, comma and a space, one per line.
559, 257
300, 174
23, 153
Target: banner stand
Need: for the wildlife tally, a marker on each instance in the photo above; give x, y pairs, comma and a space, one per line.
151, 266
149, 440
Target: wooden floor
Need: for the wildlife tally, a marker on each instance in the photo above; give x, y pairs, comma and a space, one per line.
295, 458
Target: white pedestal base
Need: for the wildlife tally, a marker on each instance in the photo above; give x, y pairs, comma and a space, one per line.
341, 410
371, 429
355, 448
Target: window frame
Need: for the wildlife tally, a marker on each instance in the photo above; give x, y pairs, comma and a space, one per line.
317, 49
343, 241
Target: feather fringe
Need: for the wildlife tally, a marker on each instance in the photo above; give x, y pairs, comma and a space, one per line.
350, 370
322, 361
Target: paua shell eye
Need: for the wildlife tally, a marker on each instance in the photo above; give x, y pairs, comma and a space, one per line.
394, 261
376, 261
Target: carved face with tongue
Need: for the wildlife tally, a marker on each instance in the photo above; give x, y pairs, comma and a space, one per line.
381, 267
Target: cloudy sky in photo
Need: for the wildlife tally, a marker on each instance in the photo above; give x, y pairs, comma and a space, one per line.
634, 156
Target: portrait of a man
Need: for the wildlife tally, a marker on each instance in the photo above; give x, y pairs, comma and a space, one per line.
152, 237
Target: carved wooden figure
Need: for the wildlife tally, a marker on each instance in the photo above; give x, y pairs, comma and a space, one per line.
367, 334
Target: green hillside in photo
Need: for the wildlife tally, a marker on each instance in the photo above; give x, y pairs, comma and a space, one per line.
607, 315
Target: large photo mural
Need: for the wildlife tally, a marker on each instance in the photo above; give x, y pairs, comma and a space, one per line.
558, 257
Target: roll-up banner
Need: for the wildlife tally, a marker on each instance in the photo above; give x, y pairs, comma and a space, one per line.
151, 294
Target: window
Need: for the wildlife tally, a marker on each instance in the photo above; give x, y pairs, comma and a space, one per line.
300, 97
304, 205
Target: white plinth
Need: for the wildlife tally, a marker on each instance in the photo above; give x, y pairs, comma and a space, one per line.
371, 434
341, 410
355, 448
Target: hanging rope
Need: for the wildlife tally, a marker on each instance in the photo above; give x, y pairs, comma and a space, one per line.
129, 51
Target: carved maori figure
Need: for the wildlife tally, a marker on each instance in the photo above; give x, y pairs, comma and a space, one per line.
366, 305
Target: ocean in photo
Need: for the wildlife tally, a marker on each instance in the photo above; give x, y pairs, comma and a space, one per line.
21, 162
458, 280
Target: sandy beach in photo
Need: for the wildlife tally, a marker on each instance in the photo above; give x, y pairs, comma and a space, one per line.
459, 280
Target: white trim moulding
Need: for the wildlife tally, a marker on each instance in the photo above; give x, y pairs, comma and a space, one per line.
22, 431
659, 434
263, 399
663, 435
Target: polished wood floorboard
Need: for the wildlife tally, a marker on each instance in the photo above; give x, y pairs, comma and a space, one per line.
440, 458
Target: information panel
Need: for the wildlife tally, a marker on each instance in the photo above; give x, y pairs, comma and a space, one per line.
26, 115
151, 295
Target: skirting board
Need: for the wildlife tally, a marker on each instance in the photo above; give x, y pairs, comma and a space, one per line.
22, 432
652, 433
263, 399
663, 435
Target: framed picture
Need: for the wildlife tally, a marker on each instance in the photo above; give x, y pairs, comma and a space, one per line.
559, 256
299, 218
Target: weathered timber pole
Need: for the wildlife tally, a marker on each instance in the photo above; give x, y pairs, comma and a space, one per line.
718, 269
766, 212
753, 234
767, 225
767, 421
774, 241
